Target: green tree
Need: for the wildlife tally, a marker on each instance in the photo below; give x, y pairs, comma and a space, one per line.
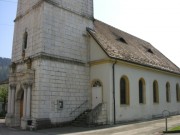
4, 96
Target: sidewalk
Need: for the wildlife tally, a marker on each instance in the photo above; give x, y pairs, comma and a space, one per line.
154, 127
142, 128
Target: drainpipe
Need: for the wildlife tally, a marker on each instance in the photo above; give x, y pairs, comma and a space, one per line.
113, 68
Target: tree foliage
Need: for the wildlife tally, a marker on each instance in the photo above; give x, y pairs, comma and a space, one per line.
4, 96
3, 93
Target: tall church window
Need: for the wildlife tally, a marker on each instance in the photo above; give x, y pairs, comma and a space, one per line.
177, 93
25, 39
124, 91
155, 92
142, 92
168, 92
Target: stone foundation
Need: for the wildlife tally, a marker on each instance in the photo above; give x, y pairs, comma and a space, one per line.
102, 118
10, 120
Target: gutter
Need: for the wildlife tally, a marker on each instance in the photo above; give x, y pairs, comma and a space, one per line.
114, 99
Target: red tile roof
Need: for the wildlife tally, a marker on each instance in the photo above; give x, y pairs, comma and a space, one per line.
123, 46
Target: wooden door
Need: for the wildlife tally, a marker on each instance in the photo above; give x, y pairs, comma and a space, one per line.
96, 96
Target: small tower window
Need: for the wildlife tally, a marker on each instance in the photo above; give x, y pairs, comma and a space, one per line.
25, 38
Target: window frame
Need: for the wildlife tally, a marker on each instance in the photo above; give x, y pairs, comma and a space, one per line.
142, 91
168, 93
126, 91
25, 40
177, 93
155, 92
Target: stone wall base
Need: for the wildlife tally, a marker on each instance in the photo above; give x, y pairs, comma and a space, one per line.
10, 120
102, 118
44, 123
41, 123
25, 123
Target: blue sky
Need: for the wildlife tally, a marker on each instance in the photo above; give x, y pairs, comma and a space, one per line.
156, 21
7, 16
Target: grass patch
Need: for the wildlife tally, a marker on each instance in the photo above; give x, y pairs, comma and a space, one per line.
177, 128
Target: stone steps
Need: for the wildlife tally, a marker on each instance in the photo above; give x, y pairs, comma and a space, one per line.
82, 119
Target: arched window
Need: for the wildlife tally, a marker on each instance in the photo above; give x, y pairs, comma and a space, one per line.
177, 93
142, 92
155, 92
124, 90
97, 84
25, 38
168, 97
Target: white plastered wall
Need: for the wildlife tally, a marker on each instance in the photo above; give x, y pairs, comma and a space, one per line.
103, 73
134, 111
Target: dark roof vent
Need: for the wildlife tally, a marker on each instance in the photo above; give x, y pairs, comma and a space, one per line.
150, 51
122, 40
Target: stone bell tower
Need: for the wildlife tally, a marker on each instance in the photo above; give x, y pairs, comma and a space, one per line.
49, 72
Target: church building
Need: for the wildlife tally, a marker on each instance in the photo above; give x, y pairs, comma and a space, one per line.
67, 65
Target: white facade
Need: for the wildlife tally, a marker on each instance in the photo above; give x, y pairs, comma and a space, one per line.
101, 69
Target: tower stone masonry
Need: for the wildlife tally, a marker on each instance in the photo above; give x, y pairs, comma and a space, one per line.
50, 71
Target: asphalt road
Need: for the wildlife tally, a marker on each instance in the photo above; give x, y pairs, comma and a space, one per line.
154, 127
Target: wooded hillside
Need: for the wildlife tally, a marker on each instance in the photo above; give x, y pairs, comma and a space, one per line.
4, 68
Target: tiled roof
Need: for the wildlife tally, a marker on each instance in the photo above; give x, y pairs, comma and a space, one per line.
123, 46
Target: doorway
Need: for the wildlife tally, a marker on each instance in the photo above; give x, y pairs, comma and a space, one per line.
96, 93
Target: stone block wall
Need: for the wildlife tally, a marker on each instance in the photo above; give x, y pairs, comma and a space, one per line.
58, 48
64, 33
32, 23
52, 29
83, 7
59, 81
25, 5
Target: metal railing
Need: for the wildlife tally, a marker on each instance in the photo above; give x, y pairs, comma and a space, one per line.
78, 110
